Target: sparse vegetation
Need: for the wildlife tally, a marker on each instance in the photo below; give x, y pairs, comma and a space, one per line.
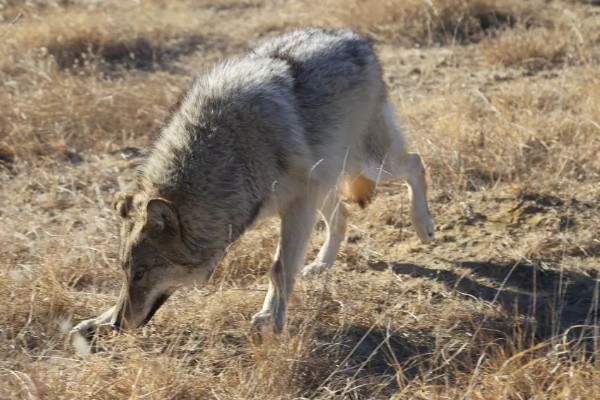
500, 97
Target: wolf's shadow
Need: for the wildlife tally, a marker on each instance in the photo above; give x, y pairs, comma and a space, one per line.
556, 300
549, 303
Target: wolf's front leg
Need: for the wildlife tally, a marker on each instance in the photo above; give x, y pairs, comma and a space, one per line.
334, 214
297, 222
84, 332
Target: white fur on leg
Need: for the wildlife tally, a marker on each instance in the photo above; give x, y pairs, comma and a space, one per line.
297, 222
264, 316
315, 268
419, 211
334, 214
398, 163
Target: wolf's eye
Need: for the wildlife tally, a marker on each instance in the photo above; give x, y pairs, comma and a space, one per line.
139, 274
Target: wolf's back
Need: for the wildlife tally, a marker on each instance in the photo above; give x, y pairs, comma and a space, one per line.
261, 114
332, 70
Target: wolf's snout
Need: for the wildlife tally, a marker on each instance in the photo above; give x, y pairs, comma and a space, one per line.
160, 300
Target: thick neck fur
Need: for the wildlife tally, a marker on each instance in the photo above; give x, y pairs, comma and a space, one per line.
207, 159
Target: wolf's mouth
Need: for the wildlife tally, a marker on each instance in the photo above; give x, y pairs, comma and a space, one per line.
160, 300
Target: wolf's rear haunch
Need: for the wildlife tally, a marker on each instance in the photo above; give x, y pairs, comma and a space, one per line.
285, 129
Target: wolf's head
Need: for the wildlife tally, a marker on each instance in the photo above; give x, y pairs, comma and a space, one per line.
154, 257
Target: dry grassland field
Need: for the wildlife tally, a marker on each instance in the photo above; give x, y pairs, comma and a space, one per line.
502, 100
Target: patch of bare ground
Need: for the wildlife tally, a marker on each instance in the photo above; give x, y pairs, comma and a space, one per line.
499, 97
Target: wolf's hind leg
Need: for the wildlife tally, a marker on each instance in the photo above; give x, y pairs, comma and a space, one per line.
297, 222
398, 163
334, 214
417, 188
408, 166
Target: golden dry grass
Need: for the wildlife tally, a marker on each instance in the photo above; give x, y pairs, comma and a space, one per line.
500, 97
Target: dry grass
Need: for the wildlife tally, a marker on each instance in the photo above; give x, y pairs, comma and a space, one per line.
501, 99
435, 22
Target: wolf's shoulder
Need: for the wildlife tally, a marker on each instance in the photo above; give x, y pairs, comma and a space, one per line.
318, 48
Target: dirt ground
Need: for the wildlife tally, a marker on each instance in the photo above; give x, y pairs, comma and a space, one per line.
502, 100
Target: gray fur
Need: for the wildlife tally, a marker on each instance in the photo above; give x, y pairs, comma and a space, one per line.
276, 130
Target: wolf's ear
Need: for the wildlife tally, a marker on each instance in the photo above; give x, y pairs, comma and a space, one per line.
161, 216
122, 203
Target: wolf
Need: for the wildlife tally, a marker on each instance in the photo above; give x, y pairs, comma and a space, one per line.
291, 128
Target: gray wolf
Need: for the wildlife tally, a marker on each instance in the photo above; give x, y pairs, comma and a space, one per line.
290, 128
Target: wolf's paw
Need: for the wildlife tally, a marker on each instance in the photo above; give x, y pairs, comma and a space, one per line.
425, 228
264, 318
429, 230
315, 268
83, 334
260, 320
